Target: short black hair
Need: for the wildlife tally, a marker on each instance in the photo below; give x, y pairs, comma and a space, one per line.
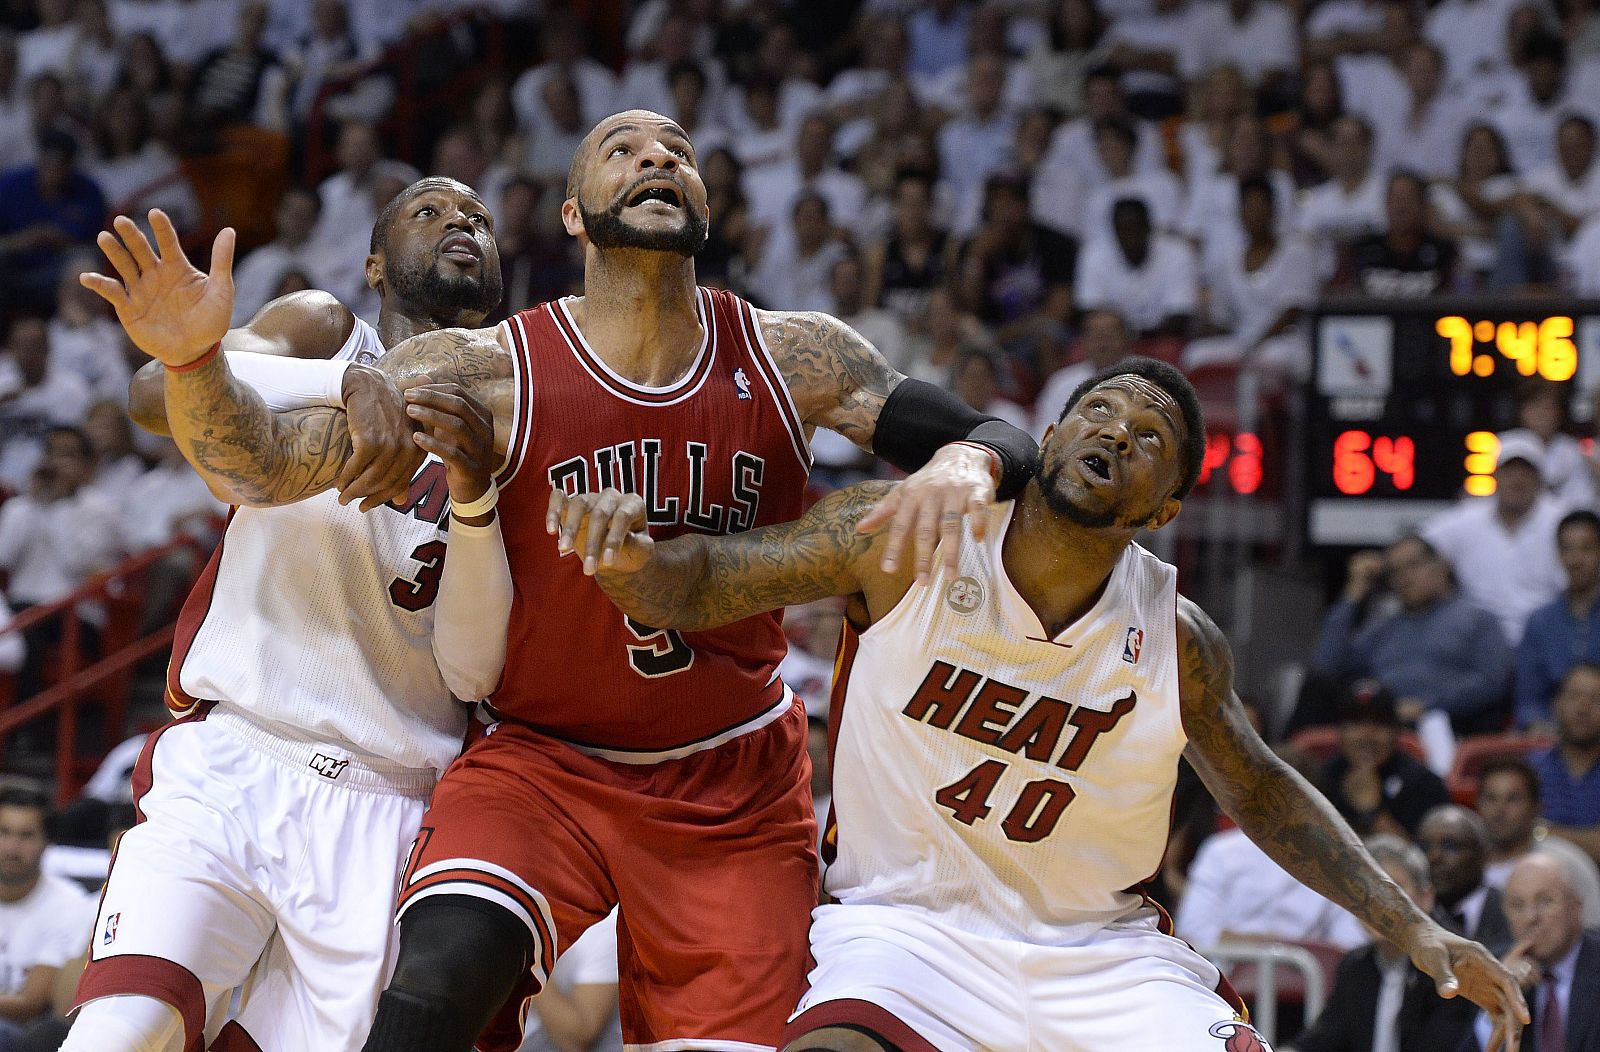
1258, 184
1132, 207
1513, 765
385, 220
1171, 380
1581, 517
686, 68
1118, 126
1580, 120
24, 796
78, 434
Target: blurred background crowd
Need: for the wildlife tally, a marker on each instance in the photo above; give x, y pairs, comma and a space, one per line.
1002, 196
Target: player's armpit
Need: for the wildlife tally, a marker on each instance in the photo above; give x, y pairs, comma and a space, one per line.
697, 582
837, 379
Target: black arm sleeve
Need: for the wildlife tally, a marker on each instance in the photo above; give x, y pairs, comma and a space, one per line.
918, 418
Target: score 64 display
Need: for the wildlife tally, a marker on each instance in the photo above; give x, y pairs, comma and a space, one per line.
1406, 400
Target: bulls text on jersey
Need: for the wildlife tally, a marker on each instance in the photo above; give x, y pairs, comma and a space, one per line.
635, 467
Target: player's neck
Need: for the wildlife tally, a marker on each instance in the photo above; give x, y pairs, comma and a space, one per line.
1060, 569
638, 312
400, 323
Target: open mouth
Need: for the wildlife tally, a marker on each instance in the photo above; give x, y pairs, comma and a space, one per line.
663, 192
1098, 465
460, 248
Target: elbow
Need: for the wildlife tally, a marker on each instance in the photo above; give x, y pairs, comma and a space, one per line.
470, 683
147, 400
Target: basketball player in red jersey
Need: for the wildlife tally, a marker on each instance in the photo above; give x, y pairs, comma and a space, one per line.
1006, 740
662, 770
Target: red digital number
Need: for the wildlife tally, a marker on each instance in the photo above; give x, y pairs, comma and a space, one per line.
1396, 457
1358, 458
1218, 446
1244, 470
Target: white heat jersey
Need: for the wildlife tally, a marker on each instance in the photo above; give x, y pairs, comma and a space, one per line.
317, 619
1017, 786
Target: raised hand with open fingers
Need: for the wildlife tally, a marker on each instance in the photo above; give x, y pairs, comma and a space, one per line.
928, 507
171, 311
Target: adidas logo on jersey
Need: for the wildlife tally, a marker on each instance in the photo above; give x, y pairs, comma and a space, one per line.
327, 766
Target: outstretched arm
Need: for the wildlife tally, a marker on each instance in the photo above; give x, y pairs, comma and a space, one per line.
698, 581
1302, 832
961, 460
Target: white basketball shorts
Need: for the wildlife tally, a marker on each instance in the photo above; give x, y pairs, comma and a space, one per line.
259, 863
928, 986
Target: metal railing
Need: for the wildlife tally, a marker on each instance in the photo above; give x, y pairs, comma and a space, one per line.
1267, 958
106, 680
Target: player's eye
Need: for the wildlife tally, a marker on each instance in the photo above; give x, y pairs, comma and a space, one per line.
679, 151
618, 149
426, 210
478, 217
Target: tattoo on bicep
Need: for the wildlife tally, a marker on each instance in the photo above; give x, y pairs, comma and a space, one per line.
468, 357
837, 378
1283, 814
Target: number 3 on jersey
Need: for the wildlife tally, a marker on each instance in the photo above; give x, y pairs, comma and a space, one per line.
420, 593
663, 651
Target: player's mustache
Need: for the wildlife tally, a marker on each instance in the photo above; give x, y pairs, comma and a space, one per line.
656, 177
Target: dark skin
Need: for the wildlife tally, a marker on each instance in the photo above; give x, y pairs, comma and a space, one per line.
638, 313
1060, 567
373, 469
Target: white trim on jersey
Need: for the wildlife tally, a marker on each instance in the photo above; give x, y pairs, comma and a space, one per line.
694, 1044
521, 430
772, 715
699, 371
772, 376
464, 886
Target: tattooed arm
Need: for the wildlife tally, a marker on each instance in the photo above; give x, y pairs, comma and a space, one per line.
698, 581
837, 379
1302, 832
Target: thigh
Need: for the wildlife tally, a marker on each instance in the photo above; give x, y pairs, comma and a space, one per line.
317, 984
921, 984
717, 878
181, 919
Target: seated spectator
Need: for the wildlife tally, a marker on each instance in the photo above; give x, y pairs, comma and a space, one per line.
1529, 117
577, 1009
15, 126
85, 339
936, 37
1556, 960
1258, 286
116, 465
1015, 275
328, 51
1150, 279
46, 919
1470, 205
1213, 204
722, 262
35, 395
1149, 48
563, 50
1472, 36
1404, 261
45, 208
54, 537
903, 269
1456, 842
1374, 785
1422, 131
976, 379
1434, 651
242, 83
458, 155
1216, 104
1158, 188
135, 170
1103, 340
691, 105
880, 327
1380, 1000
1071, 166
1569, 771
258, 274
1258, 37
1503, 550
977, 143
1321, 106
951, 333
551, 130
797, 263
1235, 891
1509, 803
1349, 206
774, 189
1565, 631
1557, 199
1060, 60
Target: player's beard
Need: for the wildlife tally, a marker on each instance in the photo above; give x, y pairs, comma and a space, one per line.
1060, 503
607, 229
426, 285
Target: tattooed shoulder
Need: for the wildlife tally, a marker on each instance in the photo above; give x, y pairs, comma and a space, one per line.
837, 378
473, 358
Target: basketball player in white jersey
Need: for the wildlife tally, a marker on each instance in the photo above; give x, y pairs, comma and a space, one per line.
315, 717
1006, 746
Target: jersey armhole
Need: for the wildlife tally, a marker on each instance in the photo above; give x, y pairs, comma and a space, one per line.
772, 379
521, 430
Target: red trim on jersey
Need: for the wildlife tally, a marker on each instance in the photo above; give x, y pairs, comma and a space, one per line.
606, 378
1164, 925
522, 411
463, 875
190, 620
234, 1038
849, 646
772, 376
850, 1011
167, 981
144, 767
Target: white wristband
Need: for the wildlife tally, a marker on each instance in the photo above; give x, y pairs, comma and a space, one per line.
482, 506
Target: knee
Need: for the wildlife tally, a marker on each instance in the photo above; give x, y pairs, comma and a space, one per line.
841, 1039
457, 948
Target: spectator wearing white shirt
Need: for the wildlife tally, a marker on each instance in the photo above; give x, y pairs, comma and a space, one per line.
16, 124
1310, 140
644, 81
563, 50
116, 466
1257, 289
47, 46
47, 920
774, 189
978, 143
976, 381
1162, 194
1203, 137
84, 340
1259, 37
1423, 130
1150, 279
34, 396
577, 1009
1338, 27
879, 326
937, 37
692, 107
1556, 201
1213, 206
94, 56
1502, 549
1471, 206
135, 170
261, 271
1149, 50
797, 263
1535, 105
550, 130
1059, 62
1472, 36
1104, 339
1369, 79
1348, 206
1071, 168
762, 140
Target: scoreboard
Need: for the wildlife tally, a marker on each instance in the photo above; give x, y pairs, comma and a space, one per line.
1406, 399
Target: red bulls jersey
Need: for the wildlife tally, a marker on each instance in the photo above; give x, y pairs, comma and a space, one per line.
719, 451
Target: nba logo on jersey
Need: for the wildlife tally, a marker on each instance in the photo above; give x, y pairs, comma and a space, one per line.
742, 383
1132, 645
111, 929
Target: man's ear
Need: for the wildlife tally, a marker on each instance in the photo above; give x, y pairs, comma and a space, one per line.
374, 271
571, 218
1169, 508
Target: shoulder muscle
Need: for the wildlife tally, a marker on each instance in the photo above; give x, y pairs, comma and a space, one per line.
309, 324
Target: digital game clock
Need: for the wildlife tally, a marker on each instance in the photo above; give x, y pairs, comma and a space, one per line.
1406, 399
